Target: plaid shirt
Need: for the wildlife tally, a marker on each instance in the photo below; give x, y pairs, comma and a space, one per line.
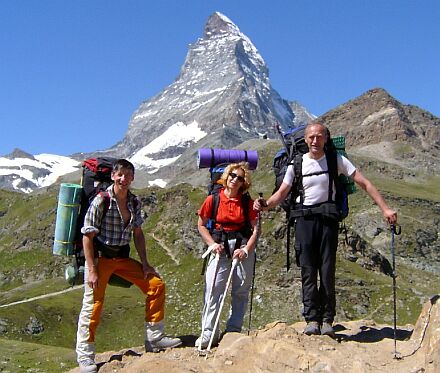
111, 230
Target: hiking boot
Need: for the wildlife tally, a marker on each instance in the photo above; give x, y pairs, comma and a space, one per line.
87, 366
162, 344
155, 339
203, 341
327, 329
312, 328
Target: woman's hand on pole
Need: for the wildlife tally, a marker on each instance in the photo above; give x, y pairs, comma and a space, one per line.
217, 248
241, 254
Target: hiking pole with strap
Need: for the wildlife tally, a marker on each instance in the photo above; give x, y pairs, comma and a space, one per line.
253, 270
394, 231
208, 299
234, 264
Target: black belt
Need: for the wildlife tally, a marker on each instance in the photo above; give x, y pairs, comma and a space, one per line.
112, 251
327, 209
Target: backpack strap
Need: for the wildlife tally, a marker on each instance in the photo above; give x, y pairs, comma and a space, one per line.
214, 209
245, 198
332, 165
298, 179
329, 208
106, 199
296, 190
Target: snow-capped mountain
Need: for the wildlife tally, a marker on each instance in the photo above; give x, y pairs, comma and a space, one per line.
172, 141
223, 88
221, 98
24, 172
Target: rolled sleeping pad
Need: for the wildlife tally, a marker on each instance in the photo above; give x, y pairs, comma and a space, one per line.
208, 157
69, 200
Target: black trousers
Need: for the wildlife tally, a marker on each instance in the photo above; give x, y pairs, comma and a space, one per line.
315, 245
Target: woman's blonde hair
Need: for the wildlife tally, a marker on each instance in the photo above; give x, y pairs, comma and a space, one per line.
244, 166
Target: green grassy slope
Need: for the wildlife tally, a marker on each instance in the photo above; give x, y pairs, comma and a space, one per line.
28, 269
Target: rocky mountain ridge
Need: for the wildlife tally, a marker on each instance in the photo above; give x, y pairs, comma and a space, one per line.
223, 86
223, 90
375, 124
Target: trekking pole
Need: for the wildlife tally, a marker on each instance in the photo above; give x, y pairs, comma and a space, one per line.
234, 264
283, 140
205, 259
394, 231
208, 300
253, 270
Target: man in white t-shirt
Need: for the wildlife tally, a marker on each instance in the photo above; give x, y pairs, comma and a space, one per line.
316, 234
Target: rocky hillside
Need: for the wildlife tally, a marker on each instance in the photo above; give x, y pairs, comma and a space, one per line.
376, 125
364, 286
359, 346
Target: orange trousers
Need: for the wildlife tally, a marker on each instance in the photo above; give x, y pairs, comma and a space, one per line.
153, 288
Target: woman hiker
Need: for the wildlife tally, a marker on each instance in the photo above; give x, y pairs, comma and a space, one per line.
234, 236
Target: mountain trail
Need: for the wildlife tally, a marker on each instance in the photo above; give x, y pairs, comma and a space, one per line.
42, 296
162, 244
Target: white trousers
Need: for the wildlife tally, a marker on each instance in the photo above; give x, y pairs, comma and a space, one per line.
85, 350
241, 285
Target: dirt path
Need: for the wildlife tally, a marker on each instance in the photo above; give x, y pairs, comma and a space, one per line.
42, 296
163, 245
158, 240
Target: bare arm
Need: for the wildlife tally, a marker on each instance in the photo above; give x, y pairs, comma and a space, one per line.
250, 245
89, 254
274, 200
206, 236
389, 214
139, 242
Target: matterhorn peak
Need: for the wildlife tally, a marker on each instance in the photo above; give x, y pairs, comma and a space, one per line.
221, 98
219, 24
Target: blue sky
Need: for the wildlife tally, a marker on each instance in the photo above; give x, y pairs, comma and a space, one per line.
72, 72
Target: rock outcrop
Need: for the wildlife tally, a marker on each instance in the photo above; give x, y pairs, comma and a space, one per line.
359, 347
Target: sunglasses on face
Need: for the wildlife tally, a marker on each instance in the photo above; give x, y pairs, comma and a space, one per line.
233, 175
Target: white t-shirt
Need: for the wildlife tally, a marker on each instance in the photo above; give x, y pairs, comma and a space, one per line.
316, 186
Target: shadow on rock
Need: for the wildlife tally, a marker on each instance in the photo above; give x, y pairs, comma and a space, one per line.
368, 334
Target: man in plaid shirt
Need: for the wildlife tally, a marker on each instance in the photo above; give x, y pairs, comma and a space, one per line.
112, 218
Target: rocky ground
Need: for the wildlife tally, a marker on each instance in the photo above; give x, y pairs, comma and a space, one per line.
359, 346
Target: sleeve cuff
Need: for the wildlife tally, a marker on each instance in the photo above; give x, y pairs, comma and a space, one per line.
89, 229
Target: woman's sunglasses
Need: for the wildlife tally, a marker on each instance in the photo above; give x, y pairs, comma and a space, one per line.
233, 175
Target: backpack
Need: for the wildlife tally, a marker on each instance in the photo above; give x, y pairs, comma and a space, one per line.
214, 188
95, 179
291, 154
294, 144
